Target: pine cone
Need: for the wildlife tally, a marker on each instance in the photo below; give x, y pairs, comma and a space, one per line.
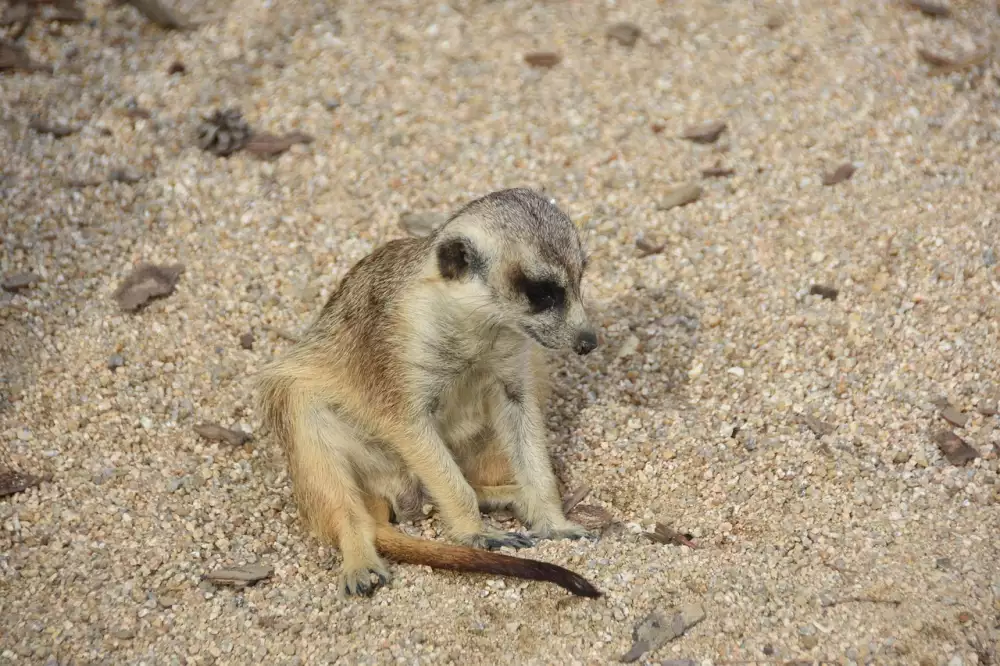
224, 132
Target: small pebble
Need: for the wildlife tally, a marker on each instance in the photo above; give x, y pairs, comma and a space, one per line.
808, 637
625, 33
954, 417
680, 195
19, 281
707, 132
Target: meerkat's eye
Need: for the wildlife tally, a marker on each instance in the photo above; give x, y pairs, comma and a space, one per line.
544, 295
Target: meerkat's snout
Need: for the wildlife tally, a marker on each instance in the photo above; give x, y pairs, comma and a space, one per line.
586, 342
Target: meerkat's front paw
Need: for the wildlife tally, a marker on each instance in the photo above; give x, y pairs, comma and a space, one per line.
494, 539
561, 530
359, 582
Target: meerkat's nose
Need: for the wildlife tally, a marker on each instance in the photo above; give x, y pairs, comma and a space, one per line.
586, 342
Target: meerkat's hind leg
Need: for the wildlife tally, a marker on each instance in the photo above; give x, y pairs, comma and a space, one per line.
331, 499
488, 472
491, 475
493, 498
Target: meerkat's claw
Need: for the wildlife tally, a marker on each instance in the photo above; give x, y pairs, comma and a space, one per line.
359, 583
512, 539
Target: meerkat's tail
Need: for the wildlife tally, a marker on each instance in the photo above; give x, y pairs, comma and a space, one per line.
403, 548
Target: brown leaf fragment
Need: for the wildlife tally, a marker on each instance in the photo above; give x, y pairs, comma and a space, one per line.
928, 8
574, 498
79, 183
954, 448
953, 416
14, 58
543, 59
55, 129
67, 11
624, 32
659, 628
680, 195
421, 224
717, 172
988, 407
12, 482
243, 576
667, 535
17, 12
19, 281
124, 175
145, 283
246, 340
216, 433
159, 14
646, 247
137, 112
829, 293
708, 132
840, 174
590, 516
265, 144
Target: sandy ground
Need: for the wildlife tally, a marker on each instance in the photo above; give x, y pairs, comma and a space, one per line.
791, 435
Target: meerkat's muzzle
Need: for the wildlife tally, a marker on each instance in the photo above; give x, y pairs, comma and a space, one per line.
586, 342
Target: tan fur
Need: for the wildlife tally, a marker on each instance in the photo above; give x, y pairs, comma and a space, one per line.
420, 376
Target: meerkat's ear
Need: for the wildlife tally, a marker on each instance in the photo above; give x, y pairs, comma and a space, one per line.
456, 258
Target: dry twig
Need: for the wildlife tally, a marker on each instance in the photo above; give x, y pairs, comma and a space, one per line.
861, 600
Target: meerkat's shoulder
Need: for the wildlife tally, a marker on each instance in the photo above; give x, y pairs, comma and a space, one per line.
390, 263
376, 278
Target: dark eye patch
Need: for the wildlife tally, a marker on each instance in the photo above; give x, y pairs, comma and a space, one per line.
543, 294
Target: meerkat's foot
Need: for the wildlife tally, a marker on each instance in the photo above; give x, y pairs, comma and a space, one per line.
494, 539
399, 515
359, 582
562, 530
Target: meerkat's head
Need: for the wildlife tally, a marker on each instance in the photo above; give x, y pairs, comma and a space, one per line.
517, 261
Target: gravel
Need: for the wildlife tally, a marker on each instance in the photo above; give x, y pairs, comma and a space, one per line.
420, 107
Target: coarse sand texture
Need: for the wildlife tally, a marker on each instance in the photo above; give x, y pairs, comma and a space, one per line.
788, 433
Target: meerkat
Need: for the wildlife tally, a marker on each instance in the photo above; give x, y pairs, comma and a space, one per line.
423, 375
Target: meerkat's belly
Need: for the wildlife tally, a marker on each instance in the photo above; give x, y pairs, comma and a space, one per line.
463, 416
